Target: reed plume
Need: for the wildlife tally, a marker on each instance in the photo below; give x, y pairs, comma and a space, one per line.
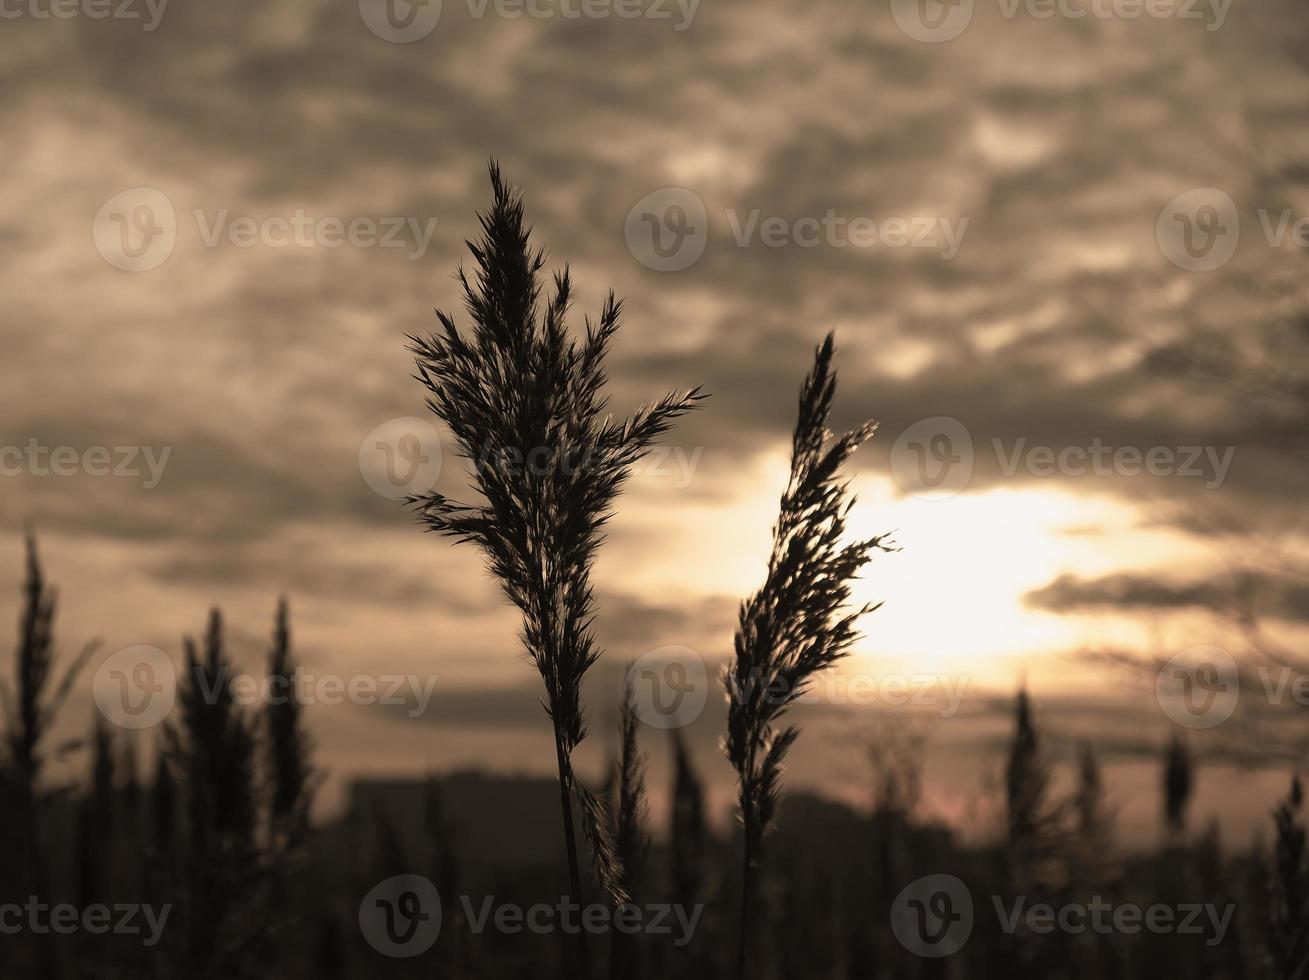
446, 871
1089, 801
212, 744
31, 705
31, 711
1177, 786
630, 839
1038, 824
1289, 914
689, 833
129, 763
163, 808
1094, 819
1027, 780
95, 817
288, 744
526, 403
798, 623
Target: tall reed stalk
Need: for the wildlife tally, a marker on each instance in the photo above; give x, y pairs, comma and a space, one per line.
630, 838
211, 742
526, 403
288, 744
31, 705
630, 820
1289, 888
1177, 780
798, 623
688, 831
1037, 831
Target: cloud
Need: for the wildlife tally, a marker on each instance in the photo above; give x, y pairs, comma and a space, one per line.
1279, 598
1059, 321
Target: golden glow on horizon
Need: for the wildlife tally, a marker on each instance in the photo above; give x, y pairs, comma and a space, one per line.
953, 596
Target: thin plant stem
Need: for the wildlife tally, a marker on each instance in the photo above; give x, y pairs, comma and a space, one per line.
747, 893
581, 952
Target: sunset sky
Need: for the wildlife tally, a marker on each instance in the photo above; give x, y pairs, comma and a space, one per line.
1052, 147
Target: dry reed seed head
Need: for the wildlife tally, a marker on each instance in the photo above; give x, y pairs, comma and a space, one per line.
213, 745
30, 707
607, 864
519, 383
630, 835
791, 628
1177, 783
288, 744
1289, 887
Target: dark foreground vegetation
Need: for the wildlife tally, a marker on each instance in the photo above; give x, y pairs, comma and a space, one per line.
215, 828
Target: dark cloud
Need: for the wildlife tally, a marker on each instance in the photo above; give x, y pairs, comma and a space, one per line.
1284, 598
